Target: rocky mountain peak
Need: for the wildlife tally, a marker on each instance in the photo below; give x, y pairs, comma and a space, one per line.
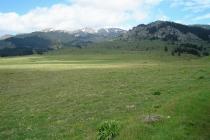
166, 30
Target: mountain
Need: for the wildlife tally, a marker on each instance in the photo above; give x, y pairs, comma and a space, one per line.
202, 26
48, 39
169, 31
76, 37
184, 38
5, 36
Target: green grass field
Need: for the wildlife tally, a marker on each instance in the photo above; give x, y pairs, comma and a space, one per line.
66, 95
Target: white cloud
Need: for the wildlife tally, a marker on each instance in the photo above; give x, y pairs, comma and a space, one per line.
207, 16
78, 14
192, 5
163, 18
160, 15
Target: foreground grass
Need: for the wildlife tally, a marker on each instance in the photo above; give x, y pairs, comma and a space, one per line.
66, 96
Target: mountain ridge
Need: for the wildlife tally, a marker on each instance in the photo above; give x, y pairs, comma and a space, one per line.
186, 36
166, 30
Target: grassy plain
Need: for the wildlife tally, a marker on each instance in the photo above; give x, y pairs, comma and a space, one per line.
68, 93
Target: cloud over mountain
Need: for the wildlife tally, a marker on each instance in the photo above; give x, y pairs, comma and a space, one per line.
77, 14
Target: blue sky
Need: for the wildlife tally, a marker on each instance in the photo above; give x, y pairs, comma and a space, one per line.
19, 16
23, 6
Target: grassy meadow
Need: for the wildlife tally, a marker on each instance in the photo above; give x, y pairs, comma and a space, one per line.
65, 95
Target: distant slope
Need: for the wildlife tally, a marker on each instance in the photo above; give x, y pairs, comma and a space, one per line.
5, 36
24, 46
82, 35
42, 41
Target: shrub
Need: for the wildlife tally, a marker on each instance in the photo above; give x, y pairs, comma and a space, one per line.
108, 130
166, 49
157, 93
201, 77
172, 53
206, 53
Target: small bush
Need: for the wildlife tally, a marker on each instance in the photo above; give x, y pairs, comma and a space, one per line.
201, 77
157, 93
166, 49
172, 53
156, 106
108, 130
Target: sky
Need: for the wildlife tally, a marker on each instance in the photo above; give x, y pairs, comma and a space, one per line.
23, 16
